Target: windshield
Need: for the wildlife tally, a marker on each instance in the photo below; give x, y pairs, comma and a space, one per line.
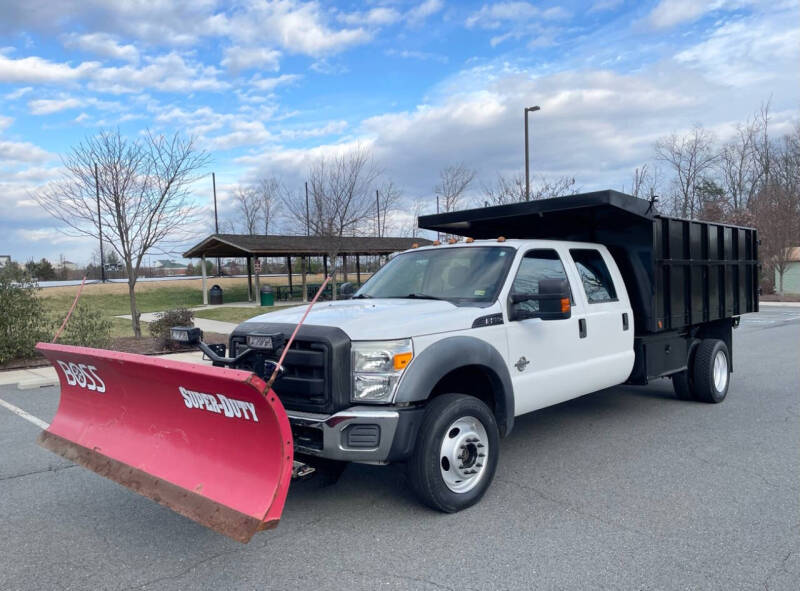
460, 275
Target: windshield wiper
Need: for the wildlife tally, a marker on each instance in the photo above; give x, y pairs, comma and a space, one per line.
361, 296
422, 296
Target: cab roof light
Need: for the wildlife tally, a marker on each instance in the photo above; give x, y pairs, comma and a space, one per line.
501, 238
436, 243
415, 245
469, 240
452, 241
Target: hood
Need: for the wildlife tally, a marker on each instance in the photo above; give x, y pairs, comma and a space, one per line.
383, 318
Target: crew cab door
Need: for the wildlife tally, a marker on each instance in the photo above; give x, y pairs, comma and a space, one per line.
544, 358
606, 318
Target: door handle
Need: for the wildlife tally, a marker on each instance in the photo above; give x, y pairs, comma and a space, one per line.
625, 324
582, 327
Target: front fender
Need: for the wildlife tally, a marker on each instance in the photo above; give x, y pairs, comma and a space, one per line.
449, 354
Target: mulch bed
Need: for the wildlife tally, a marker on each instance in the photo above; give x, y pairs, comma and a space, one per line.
143, 346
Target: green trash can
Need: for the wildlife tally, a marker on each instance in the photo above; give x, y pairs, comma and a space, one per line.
267, 297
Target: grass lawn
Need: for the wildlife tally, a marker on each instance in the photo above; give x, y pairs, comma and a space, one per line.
236, 315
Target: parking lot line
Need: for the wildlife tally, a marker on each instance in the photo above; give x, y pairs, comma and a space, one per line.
25, 415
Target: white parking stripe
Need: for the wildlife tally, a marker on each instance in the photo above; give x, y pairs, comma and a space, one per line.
25, 415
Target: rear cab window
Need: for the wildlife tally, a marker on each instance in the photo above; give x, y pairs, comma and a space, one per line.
595, 276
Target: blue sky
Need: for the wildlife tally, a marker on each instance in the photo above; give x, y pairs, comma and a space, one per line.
266, 86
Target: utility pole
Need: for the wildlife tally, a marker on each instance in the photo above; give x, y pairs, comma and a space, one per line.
308, 214
216, 219
99, 225
527, 165
378, 205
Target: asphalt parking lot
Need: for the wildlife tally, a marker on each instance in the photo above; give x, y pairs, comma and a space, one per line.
627, 488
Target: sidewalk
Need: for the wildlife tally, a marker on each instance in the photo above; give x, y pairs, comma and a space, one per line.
203, 324
38, 377
763, 304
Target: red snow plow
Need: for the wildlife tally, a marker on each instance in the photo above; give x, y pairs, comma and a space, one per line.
213, 444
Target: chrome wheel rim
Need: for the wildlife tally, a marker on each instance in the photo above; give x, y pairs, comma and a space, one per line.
720, 371
463, 455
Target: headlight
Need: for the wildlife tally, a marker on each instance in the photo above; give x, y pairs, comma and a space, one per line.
377, 367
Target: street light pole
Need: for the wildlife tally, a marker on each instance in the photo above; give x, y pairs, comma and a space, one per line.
99, 224
527, 157
216, 219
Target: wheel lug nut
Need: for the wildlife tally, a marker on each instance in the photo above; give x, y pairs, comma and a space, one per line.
481, 455
480, 445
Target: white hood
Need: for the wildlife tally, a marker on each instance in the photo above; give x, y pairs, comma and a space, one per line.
379, 319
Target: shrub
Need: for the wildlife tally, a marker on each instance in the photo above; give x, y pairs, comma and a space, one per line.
160, 328
86, 328
23, 321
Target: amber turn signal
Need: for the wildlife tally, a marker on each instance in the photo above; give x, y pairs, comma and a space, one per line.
565, 304
402, 359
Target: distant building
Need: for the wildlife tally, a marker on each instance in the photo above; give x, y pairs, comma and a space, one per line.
167, 267
791, 276
67, 265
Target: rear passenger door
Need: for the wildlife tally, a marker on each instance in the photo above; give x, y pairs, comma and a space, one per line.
606, 319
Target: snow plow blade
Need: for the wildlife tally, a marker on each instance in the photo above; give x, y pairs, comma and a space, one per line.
208, 442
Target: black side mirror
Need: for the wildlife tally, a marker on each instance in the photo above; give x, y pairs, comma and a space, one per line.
554, 299
346, 290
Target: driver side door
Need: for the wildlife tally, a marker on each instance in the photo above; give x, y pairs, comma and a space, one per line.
543, 354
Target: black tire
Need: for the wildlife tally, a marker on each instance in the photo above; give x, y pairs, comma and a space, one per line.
706, 388
683, 384
426, 467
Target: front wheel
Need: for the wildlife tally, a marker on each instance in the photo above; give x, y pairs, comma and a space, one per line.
456, 454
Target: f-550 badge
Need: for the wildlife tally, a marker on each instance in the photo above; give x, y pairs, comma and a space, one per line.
521, 364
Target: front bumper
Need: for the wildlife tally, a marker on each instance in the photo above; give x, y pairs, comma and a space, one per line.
358, 434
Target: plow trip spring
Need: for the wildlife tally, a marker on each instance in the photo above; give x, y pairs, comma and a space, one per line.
211, 443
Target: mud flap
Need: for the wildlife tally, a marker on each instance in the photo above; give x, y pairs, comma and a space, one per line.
208, 442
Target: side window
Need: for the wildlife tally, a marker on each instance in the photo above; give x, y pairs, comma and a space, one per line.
596, 279
535, 266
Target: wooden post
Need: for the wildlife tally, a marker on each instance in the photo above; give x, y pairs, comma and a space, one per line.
257, 274
358, 270
303, 268
344, 268
205, 291
289, 267
249, 279
325, 264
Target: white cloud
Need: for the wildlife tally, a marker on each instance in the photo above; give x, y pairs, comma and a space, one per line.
22, 152
423, 10
39, 70
269, 84
49, 106
237, 59
605, 5
380, 15
417, 55
330, 128
746, 52
243, 133
5, 122
104, 45
18, 93
168, 73
668, 13
294, 26
518, 20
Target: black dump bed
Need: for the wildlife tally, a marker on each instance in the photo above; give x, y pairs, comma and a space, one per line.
678, 272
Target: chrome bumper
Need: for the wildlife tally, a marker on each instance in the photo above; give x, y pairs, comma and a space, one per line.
357, 434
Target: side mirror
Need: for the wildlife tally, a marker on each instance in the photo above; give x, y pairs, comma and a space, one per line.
553, 297
346, 290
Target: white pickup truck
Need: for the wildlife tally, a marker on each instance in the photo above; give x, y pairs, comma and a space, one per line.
432, 359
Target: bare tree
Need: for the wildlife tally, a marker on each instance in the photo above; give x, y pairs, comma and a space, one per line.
387, 197
144, 195
247, 208
511, 189
269, 195
506, 189
689, 156
777, 215
739, 170
453, 182
645, 181
341, 197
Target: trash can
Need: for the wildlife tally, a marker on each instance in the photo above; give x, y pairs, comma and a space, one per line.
215, 295
267, 297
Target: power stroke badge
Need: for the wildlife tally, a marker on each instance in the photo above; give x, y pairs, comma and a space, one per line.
219, 404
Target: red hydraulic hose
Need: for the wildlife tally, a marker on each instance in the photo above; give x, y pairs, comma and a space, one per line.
75, 301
